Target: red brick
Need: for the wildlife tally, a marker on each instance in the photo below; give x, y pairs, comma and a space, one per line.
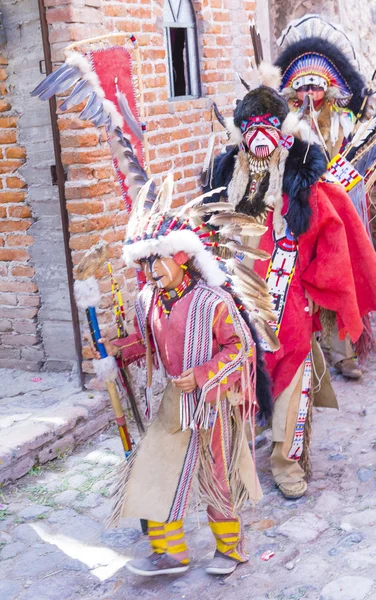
25, 327
9, 166
70, 14
15, 152
15, 182
25, 287
114, 204
9, 339
8, 122
190, 146
8, 300
83, 242
92, 224
87, 157
8, 136
22, 271
161, 167
73, 123
3, 74
20, 240
3, 60
12, 197
18, 313
6, 254
89, 191
183, 161
104, 172
80, 140
20, 212
186, 186
159, 138
85, 208
121, 218
114, 236
3, 212
60, 34
28, 301
116, 10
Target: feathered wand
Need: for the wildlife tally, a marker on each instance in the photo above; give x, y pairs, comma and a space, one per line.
87, 295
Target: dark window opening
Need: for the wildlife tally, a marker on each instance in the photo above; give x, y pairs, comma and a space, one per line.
182, 49
179, 61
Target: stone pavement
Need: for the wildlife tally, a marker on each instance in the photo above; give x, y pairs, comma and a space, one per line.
42, 416
54, 545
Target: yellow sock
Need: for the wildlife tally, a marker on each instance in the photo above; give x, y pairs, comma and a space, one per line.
157, 536
228, 537
176, 544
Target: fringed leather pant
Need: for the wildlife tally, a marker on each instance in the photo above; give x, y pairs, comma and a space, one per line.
213, 475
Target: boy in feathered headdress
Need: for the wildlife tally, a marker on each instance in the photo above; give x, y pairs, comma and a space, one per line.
275, 177
191, 318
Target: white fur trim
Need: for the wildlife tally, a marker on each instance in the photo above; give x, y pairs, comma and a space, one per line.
307, 134
291, 124
234, 131
270, 75
75, 59
174, 242
86, 293
106, 368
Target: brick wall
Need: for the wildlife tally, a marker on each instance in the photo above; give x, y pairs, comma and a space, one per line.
177, 130
19, 297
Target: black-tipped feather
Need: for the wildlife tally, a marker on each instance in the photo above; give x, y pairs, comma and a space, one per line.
49, 80
77, 95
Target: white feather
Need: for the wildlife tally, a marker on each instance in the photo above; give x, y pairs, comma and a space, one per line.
75, 59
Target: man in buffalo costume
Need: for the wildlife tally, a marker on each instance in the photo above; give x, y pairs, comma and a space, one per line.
320, 257
321, 81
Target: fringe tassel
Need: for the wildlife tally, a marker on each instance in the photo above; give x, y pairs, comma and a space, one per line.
328, 321
366, 343
149, 402
119, 490
305, 459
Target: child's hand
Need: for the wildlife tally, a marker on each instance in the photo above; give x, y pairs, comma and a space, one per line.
111, 349
186, 382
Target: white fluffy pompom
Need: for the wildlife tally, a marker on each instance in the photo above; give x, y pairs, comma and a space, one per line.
270, 75
86, 293
106, 368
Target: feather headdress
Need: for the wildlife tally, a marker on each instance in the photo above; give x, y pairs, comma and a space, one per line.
161, 231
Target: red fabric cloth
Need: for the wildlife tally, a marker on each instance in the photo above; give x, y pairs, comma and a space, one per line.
169, 334
325, 269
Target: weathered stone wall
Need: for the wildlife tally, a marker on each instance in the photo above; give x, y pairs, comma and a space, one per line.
357, 18
35, 303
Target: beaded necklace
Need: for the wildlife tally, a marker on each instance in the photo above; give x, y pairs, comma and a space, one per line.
166, 298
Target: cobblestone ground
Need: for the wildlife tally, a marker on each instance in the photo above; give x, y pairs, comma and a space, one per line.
54, 545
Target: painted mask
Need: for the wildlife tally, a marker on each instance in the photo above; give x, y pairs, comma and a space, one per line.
261, 141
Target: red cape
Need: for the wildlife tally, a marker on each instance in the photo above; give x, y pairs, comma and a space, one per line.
336, 265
